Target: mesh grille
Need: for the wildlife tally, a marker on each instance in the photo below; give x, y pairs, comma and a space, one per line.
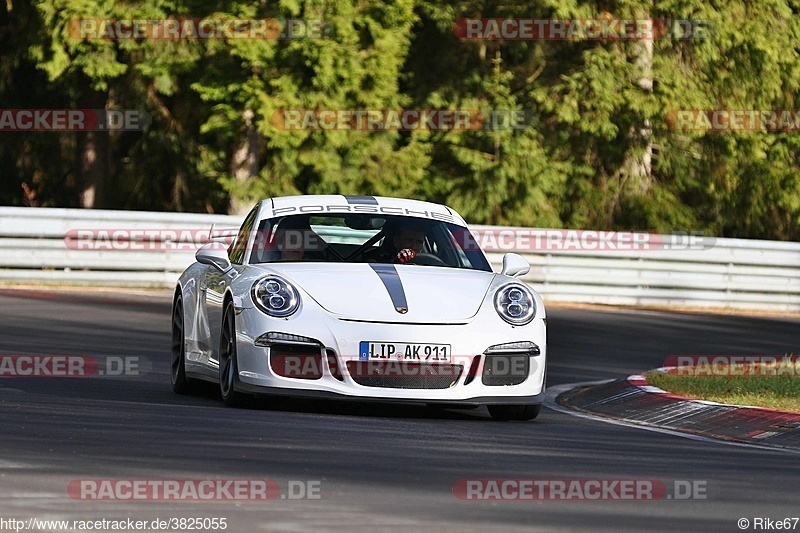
397, 375
499, 370
294, 361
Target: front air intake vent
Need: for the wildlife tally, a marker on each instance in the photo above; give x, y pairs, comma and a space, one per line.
504, 370
401, 375
296, 361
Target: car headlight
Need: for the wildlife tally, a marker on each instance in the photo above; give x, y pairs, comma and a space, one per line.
515, 304
275, 296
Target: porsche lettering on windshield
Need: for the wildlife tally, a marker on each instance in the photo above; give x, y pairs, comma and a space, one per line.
360, 208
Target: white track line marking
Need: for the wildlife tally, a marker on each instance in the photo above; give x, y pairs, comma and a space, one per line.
553, 392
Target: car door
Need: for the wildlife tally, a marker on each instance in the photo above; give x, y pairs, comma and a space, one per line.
216, 283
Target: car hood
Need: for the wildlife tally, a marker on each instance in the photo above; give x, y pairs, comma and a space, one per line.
391, 293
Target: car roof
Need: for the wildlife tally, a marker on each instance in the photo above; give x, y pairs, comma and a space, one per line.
340, 204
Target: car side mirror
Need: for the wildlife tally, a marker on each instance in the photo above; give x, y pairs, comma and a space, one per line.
515, 265
214, 254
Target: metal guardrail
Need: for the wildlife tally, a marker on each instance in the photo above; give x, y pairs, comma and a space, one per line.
44, 246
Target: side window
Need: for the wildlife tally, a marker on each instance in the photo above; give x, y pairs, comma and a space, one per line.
263, 250
237, 249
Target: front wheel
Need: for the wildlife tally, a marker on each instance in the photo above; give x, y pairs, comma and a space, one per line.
514, 412
180, 383
228, 364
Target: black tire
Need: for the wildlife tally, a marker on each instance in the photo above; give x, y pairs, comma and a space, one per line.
228, 364
514, 412
180, 383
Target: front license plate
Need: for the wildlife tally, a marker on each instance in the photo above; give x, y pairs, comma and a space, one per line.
401, 351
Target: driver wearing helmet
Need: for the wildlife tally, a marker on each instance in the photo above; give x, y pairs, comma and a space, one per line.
401, 244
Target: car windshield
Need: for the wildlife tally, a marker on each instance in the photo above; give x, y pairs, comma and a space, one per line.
366, 238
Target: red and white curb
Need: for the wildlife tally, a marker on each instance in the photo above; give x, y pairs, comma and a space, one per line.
633, 402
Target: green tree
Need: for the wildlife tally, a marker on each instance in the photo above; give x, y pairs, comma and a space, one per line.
355, 65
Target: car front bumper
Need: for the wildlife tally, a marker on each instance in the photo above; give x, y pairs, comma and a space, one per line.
475, 378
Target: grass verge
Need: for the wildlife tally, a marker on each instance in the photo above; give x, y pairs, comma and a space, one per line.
761, 389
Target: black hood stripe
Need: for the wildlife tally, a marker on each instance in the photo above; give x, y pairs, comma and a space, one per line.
391, 280
364, 200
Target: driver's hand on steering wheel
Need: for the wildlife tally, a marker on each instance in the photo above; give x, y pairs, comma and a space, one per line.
406, 254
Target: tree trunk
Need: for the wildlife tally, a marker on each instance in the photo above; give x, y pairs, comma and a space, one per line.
95, 159
244, 165
94, 170
639, 169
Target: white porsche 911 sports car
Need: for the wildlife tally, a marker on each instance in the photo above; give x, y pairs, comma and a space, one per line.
360, 297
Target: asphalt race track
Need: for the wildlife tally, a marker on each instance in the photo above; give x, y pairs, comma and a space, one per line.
367, 466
